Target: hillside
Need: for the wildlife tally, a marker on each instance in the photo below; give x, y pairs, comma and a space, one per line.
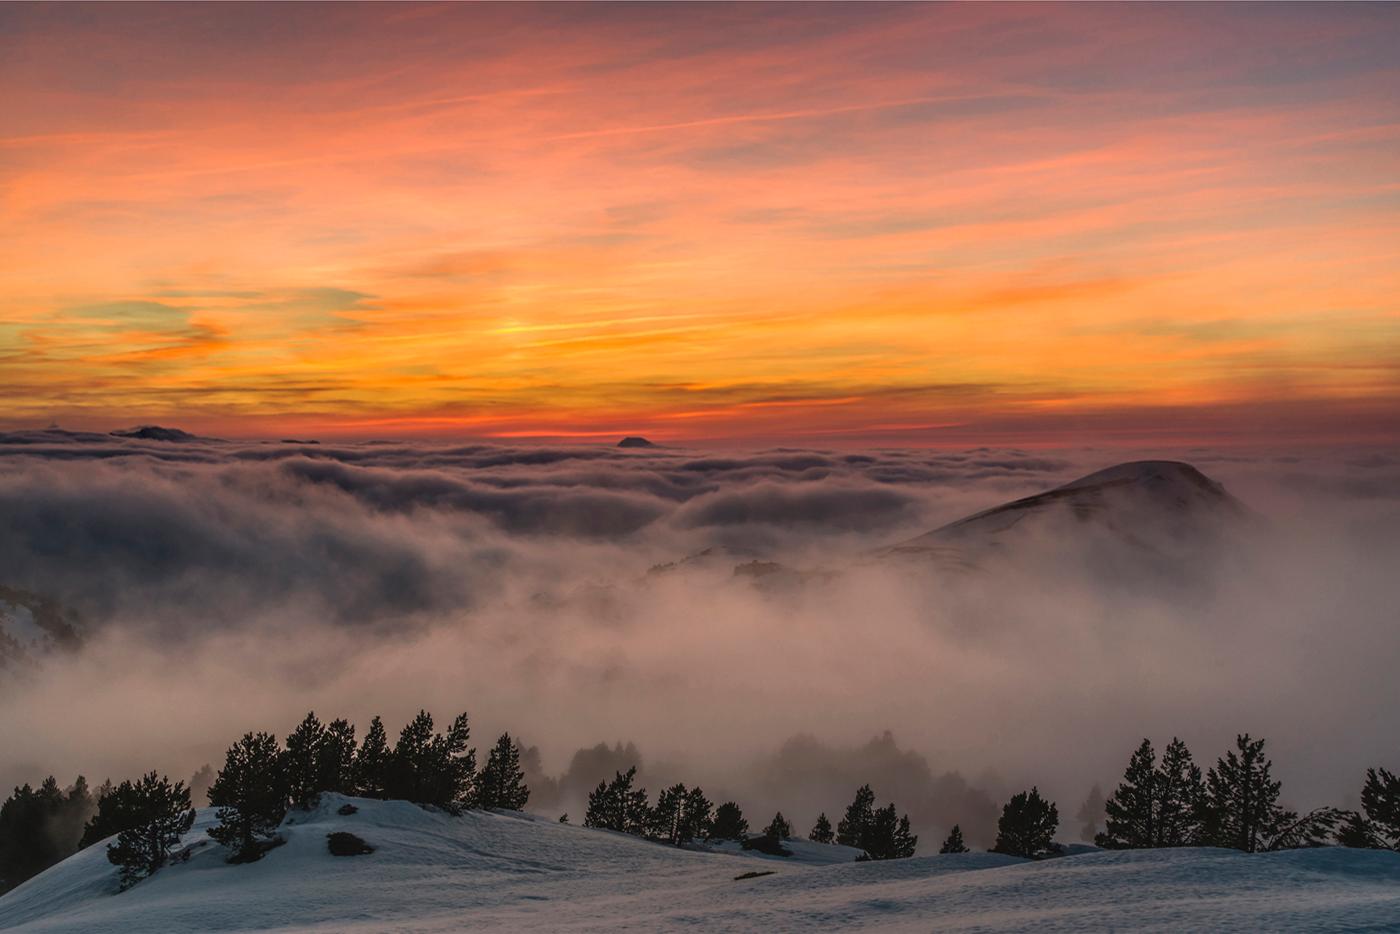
485, 871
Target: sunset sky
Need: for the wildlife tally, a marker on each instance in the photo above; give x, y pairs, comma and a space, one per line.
918, 224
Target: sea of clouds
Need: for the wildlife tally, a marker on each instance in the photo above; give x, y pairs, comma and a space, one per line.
228, 586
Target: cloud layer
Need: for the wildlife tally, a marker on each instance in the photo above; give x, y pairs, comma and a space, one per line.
587, 593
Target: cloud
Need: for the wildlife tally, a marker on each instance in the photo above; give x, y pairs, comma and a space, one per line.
513, 582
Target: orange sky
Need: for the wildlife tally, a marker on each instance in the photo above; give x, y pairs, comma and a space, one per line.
914, 223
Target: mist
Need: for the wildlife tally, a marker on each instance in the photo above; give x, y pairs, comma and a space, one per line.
583, 595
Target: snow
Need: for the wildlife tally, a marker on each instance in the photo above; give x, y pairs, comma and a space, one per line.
431, 872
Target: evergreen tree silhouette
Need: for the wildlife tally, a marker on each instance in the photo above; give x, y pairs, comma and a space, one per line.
251, 795
729, 823
1178, 797
1131, 812
859, 813
1241, 809
663, 823
502, 781
162, 814
1027, 826
301, 760
335, 760
779, 827
1380, 799
954, 842
821, 830
372, 762
696, 816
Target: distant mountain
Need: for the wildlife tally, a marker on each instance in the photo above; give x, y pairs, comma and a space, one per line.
635, 441
156, 433
1163, 509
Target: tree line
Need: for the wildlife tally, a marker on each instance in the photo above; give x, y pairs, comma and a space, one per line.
1166, 802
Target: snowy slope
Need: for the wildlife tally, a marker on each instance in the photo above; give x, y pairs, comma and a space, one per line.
434, 873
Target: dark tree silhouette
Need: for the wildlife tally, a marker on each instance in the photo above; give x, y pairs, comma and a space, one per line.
696, 816
300, 761
729, 823
887, 836
431, 768
821, 830
1131, 811
335, 760
40, 827
1240, 806
371, 765
502, 782
1178, 797
251, 795
162, 814
616, 805
1027, 826
859, 813
779, 827
664, 820
1380, 799
954, 842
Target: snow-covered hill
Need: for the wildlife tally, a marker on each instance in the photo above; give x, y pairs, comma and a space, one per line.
431, 872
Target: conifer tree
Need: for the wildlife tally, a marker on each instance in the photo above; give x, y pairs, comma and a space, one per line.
372, 762
779, 828
1356, 831
251, 795
887, 836
1027, 826
1130, 812
954, 842
335, 759
1178, 797
696, 816
859, 813
1241, 807
664, 820
1380, 799
116, 811
616, 805
411, 764
162, 815
502, 781
729, 823
39, 827
301, 760
821, 830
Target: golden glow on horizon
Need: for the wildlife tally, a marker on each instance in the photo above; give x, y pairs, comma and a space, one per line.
909, 222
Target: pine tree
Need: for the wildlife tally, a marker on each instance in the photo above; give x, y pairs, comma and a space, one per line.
410, 765
779, 828
1130, 812
1241, 799
852, 828
1380, 799
301, 760
663, 821
199, 784
40, 827
729, 823
1356, 831
502, 781
887, 836
116, 811
1178, 797
1027, 826
372, 762
162, 815
335, 759
616, 805
696, 816
954, 842
251, 795
821, 830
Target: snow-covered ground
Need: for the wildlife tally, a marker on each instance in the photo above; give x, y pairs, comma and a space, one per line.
431, 872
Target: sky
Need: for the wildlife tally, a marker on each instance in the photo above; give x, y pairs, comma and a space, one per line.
913, 224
